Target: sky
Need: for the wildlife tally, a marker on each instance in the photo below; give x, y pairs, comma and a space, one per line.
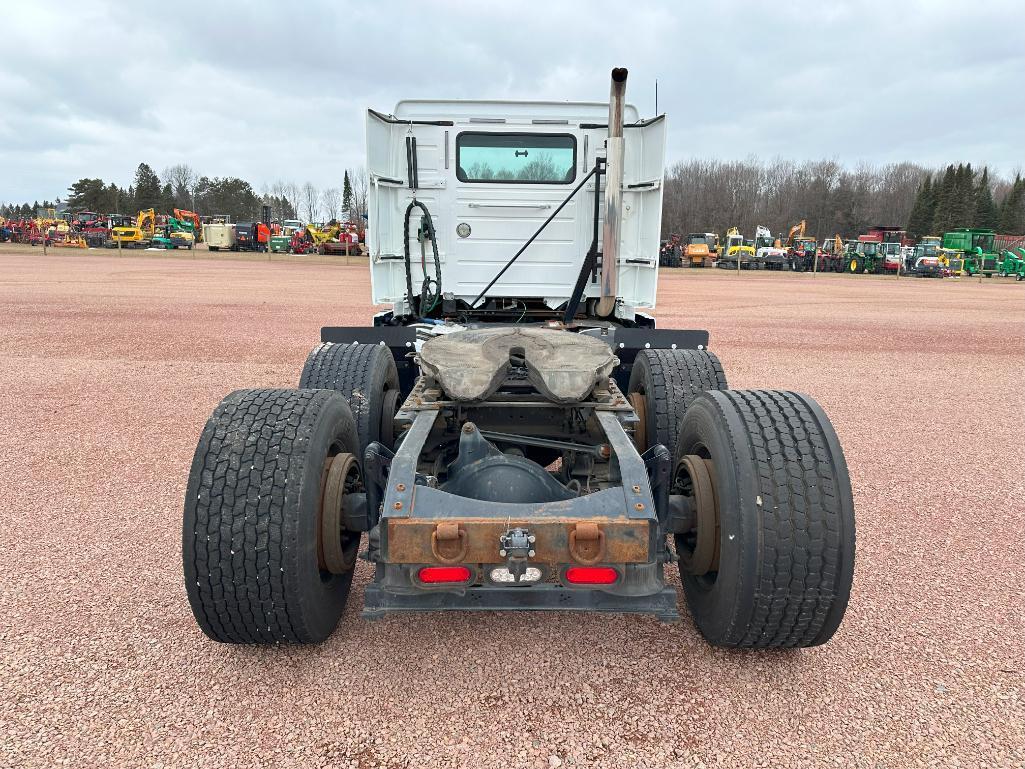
272, 91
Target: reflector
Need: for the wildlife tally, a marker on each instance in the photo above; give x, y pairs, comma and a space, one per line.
435, 574
591, 575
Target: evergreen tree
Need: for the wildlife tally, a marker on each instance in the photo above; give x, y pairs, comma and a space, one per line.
1012, 209
86, 195
986, 214
966, 197
944, 216
167, 203
924, 209
148, 193
346, 194
112, 199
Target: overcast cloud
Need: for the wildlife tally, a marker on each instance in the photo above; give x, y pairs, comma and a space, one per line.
268, 90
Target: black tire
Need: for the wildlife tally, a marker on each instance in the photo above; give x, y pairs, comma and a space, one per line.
249, 539
363, 374
786, 520
669, 380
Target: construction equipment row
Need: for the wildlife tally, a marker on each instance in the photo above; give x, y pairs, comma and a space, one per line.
181, 229
881, 250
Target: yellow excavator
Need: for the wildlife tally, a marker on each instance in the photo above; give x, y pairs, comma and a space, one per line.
736, 249
138, 235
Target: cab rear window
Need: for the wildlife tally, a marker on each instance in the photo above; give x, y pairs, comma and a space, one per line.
519, 158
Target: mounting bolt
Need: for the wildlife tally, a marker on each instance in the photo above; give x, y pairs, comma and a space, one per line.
501, 552
397, 505
532, 539
638, 506
530, 553
469, 427
402, 487
637, 489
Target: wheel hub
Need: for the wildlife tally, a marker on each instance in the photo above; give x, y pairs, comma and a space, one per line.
337, 546
699, 550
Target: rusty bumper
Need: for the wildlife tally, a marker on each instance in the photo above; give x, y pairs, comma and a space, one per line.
557, 540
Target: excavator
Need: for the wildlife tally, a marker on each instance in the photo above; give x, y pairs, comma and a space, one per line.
139, 235
769, 253
192, 223
801, 251
736, 250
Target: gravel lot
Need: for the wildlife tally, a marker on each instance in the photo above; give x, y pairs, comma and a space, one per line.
110, 367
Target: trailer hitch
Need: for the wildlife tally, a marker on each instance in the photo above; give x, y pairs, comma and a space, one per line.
516, 545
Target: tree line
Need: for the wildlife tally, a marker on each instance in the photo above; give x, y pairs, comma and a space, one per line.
181, 187
699, 196
714, 195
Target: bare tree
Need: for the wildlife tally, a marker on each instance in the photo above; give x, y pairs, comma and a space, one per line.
290, 191
309, 200
331, 198
360, 182
183, 181
713, 195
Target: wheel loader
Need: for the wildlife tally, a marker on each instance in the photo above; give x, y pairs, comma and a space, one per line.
514, 433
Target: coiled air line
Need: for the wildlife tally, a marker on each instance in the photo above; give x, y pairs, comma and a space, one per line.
429, 297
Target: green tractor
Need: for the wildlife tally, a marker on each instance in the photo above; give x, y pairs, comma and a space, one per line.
1012, 262
867, 256
980, 258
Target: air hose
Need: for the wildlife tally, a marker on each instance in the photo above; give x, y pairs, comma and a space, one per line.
429, 296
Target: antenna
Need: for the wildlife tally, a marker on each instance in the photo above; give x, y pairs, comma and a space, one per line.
656, 97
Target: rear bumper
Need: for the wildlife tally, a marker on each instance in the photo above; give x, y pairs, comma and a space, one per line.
641, 590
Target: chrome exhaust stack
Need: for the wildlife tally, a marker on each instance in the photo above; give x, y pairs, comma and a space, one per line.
613, 195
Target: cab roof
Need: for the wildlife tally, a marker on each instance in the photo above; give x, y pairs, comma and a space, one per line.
466, 110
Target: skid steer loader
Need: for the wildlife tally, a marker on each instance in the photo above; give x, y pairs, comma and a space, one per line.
515, 433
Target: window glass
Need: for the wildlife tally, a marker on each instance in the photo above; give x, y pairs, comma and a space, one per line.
523, 158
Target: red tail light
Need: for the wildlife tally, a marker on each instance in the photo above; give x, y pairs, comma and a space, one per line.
433, 575
591, 575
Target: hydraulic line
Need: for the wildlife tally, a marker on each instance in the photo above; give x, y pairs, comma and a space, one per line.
429, 297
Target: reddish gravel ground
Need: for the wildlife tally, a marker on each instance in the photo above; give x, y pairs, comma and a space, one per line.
110, 367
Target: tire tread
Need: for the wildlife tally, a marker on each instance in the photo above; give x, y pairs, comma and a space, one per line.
801, 589
238, 545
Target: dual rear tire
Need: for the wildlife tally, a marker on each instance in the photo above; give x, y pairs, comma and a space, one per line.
772, 561
266, 555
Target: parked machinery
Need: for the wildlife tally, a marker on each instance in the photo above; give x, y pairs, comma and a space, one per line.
832, 255
182, 233
138, 235
670, 253
1012, 262
736, 249
926, 261
251, 236
878, 250
696, 250
769, 253
189, 221
977, 250
219, 234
